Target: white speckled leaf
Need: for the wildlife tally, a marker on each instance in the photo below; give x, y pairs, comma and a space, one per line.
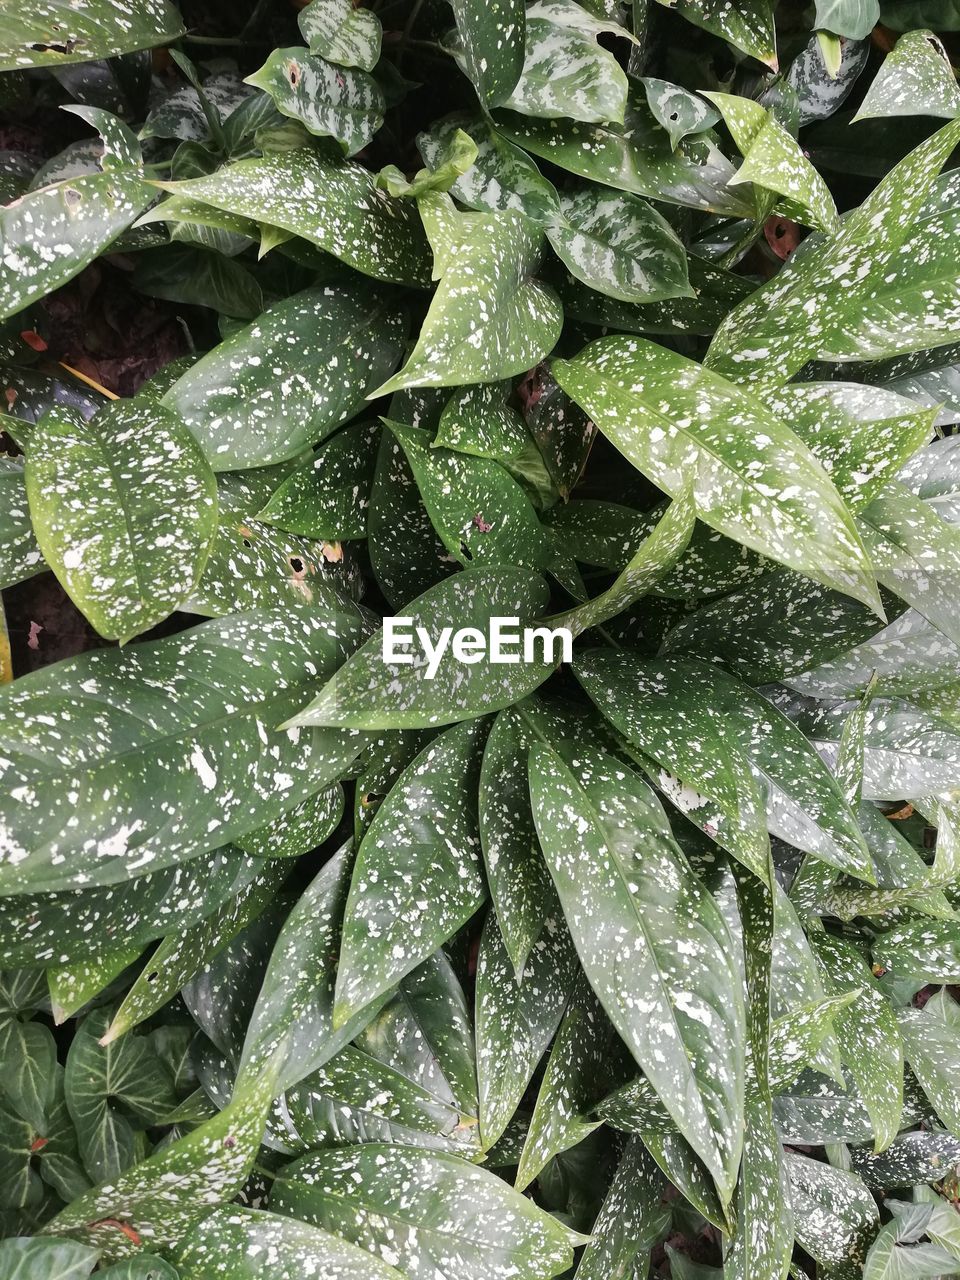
299, 830
248, 1244
931, 1046
651, 940
678, 110
501, 176
519, 882
925, 950
492, 37
637, 160
337, 31
73, 986
255, 566
163, 1196
328, 496
566, 73
90, 743
124, 507
516, 1018
48, 236
649, 564
916, 79
835, 1213
820, 94
913, 1158
481, 514
796, 1037
335, 204
752, 478
330, 101
619, 245
181, 956
916, 554
55, 32
581, 1059
773, 159
488, 319
631, 1219
55, 929
761, 1243
478, 420
434, 1216
180, 114
293, 1016
291, 377
868, 1036
20, 557
692, 718
747, 24
373, 694
417, 876
804, 313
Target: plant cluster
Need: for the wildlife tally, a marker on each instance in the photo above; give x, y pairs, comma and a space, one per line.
640, 320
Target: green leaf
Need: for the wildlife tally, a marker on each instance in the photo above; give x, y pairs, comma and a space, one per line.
868, 1037
800, 314
125, 508
227, 398
74, 986
678, 110
913, 1158
748, 25
834, 1213
26, 1259
651, 940
333, 102
180, 957
416, 1208
28, 1057
903, 536
619, 245
487, 318
342, 34
852, 19
48, 236
916, 79
376, 694
898, 1252
292, 1022
930, 1047
579, 1062
715, 734
334, 204
649, 564
300, 829
58, 33
417, 875
230, 681
328, 496
519, 881
248, 1244
145, 1266
638, 159
106, 1085
479, 511
492, 39
479, 420
20, 557
630, 1220
55, 929
752, 478
566, 73
162, 1197
516, 1018
774, 161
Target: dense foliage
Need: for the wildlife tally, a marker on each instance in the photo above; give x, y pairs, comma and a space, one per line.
642, 318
